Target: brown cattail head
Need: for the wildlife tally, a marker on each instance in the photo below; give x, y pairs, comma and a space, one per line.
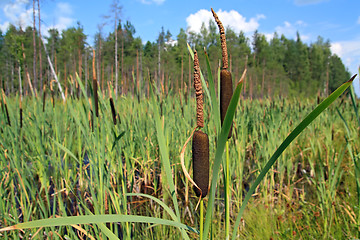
200, 154
6, 109
95, 87
222, 40
44, 97
113, 112
20, 112
198, 92
226, 92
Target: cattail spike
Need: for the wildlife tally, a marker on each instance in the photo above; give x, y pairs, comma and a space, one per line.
198, 92
222, 40
200, 153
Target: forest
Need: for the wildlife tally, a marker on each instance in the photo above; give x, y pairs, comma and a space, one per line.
276, 67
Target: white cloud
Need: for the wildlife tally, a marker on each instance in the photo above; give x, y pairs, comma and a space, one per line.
232, 19
62, 17
20, 13
349, 52
158, 2
289, 30
17, 13
358, 21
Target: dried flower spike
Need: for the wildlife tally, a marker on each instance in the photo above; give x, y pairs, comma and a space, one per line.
222, 40
198, 92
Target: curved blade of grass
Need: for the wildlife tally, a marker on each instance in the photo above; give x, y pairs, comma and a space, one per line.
222, 139
95, 219
66, 150
158, 201
214, 102
201, 76
308, 119
165, 160
117, 138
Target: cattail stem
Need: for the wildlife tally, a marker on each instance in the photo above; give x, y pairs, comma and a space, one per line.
201, 218
227, 193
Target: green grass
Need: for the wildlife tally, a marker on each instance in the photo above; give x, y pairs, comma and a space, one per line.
310, 191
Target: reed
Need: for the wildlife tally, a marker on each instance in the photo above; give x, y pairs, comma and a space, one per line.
6, 108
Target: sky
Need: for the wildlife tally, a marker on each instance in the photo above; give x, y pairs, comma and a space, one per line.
335, 20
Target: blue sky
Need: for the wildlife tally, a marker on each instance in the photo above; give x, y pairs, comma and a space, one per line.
334, 20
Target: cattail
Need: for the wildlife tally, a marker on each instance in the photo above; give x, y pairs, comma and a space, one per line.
95, 87
44, 97
198, 92
200, 154
20, 112
226, 91
6, 109
52, 94
113, 112
226, 86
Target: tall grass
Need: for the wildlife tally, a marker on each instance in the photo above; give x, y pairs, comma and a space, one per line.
70, 175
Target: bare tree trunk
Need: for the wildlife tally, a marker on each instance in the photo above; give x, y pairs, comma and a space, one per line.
40, 60
53, 71
86, 71
327, 80
182, 73
26, 69
141, 73
34, 45
80, 70
263, 81
137, 73
20, 85
116, 57
12, 78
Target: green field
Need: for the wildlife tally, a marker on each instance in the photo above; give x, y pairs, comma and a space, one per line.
65, 161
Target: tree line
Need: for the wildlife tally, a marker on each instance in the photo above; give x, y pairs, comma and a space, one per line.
276, 67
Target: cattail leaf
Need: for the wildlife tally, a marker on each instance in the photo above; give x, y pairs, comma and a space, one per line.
222, 139
302, 125
96, 219
158, 201
66, 150
117, 138
214, 102
165, 160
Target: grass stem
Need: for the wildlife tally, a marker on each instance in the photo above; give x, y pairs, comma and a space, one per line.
227, 193
201, 218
